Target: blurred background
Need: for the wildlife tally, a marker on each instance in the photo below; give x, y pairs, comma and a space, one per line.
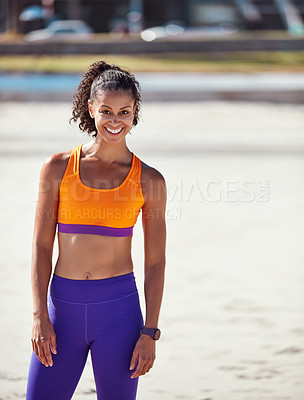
223, 120
22, 16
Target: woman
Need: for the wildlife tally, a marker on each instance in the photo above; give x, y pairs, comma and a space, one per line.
94, 193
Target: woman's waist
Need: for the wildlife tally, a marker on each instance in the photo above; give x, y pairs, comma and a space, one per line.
92, 266
92, 290
97, 254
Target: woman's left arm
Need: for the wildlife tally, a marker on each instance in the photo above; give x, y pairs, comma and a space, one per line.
154, 227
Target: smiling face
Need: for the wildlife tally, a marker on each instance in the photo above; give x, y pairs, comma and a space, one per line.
113, 112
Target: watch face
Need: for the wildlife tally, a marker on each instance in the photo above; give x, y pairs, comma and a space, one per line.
157, 334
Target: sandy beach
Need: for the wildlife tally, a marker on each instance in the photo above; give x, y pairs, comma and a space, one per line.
232, 317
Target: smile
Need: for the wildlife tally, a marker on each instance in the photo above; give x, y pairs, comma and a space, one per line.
114, 131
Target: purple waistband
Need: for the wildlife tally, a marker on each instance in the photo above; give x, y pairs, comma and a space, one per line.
93, 290
94, 229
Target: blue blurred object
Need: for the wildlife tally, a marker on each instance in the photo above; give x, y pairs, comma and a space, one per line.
32, 13
291, 17
36, 82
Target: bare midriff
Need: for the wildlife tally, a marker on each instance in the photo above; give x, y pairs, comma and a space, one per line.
83, 256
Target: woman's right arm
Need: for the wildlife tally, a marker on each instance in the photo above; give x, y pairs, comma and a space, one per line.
43, 335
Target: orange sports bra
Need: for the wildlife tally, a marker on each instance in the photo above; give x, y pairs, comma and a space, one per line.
109, 212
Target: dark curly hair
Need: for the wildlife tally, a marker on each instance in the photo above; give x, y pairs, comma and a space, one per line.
102, 76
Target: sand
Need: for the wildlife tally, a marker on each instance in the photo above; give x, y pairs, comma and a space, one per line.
232, 317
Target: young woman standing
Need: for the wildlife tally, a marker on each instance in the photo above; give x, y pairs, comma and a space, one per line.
94, 194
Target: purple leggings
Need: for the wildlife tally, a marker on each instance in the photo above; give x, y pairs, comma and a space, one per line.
101, 315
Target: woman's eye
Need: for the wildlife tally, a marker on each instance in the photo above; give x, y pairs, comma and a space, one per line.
124, 112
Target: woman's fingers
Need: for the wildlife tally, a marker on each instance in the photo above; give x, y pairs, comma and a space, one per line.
44, 340
47, 354
139, 369
148, 367
145, 369
145, 353
133, 359
144, 365
53, 344
35, 348
41, 354
42, 351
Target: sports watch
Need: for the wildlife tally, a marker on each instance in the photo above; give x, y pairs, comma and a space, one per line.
153, 332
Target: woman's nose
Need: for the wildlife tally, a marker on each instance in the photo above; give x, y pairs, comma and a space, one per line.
115, 119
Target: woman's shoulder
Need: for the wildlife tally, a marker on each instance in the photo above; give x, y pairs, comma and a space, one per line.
151, 175
153, 185
55, 164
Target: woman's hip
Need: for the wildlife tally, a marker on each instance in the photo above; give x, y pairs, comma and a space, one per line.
88, 309
93, 290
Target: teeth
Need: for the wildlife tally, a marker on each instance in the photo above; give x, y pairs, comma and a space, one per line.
114, 131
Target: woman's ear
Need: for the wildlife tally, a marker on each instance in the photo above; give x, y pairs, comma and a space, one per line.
90, 109
134, 108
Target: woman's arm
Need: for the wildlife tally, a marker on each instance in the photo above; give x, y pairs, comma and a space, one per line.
154, 227
43, 334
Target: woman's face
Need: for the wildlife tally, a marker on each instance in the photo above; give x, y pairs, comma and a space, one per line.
113, 112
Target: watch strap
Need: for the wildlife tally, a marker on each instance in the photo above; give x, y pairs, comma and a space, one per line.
149, 331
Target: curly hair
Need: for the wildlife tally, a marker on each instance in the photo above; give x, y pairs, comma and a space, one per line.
102, 76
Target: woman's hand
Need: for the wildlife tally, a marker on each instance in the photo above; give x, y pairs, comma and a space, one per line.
144, 352
43, 337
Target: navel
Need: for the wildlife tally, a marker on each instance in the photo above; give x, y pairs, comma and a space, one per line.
87, 275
